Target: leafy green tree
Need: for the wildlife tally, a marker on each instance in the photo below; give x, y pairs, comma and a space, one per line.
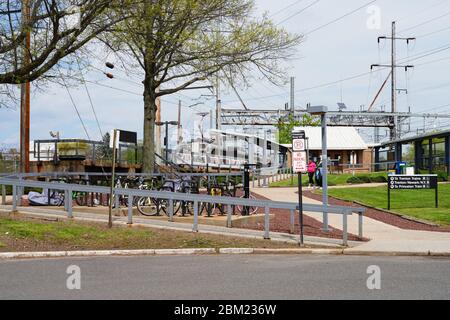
177, 43
285, 127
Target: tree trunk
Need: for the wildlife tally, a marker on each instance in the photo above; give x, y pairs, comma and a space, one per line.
148, 159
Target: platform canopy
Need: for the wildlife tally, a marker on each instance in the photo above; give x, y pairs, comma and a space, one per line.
338, 138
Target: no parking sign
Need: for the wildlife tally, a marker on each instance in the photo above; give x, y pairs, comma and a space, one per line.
299, 161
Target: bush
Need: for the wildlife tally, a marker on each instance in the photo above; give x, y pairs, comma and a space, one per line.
354, 180
364, 179
378, 179
442, 176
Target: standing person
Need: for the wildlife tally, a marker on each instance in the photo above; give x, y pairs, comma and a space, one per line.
318, 175
311, 169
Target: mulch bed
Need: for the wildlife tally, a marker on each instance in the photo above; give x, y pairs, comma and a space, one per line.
312, 227
382, 216
281, 223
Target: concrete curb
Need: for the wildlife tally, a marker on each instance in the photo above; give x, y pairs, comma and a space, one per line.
213, 251
425, 253
236, 250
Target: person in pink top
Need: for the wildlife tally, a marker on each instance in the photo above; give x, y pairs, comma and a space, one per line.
311, 169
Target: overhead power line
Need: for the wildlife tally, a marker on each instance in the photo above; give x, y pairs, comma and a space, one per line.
75, 106
340, 18
90, 100
285, 8
299, 12
425, 22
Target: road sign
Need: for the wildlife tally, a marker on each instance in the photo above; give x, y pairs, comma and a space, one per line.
299, 165
298, 134
412, 182
298, 145
299, 162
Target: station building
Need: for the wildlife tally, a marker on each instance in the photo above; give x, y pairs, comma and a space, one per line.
347, 150
427, 153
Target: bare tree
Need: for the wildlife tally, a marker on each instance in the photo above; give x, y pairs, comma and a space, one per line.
176, 43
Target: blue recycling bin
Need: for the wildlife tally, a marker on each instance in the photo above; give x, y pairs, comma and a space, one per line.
400, 167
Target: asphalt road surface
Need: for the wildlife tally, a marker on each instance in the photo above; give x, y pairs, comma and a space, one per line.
226, 277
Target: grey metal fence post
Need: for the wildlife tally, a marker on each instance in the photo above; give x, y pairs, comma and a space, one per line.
229, 214
66, 200
171, 210
21, 191
130, 209
3, 195
266, 223
292, 222
360, 224
344, 229
69, 204
14, 191
116, 203
195, 226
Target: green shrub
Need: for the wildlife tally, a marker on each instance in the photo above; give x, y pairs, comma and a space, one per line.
442, 176
378, 179
364, 179
354, 180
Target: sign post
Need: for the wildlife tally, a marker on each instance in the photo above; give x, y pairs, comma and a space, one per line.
413, 182
299, 164
113, 143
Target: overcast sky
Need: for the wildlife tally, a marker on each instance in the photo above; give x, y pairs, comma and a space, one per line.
331, 52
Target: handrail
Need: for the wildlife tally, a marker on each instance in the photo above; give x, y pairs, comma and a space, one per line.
174, 196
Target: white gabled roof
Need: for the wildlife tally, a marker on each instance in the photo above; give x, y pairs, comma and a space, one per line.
338, 138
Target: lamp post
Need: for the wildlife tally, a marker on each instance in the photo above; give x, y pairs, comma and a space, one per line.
203, 115
166, 139
322, 112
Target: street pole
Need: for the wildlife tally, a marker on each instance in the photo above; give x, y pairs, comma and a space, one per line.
25, 97
179, 124
300, 209
322, 112
166, 143
111, 190
393, 84
324, 171
299, 165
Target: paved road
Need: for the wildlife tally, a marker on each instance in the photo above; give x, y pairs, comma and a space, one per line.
227, 277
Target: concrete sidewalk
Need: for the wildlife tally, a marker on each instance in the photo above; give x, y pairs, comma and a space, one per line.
384, 237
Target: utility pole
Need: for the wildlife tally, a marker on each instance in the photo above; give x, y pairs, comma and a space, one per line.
292, 96
218, 105
394, 132
25, 96
179, 123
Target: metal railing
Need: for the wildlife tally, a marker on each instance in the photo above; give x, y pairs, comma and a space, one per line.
262, 177
18, 186
79, 149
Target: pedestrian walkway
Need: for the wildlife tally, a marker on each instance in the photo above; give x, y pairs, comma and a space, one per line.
384, 237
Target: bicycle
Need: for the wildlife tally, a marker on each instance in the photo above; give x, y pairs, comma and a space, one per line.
148, 206
218, 190
247, 210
